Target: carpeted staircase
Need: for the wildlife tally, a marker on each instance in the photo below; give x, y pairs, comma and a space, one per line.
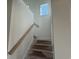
41, 49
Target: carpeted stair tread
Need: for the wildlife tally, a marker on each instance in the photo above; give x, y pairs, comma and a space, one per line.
40, 54
37, 53
40, 50
42, 47
43, 42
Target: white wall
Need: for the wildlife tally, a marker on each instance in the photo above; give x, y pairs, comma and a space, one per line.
61, 21
21, 20
44, 30
22, 51
44, 22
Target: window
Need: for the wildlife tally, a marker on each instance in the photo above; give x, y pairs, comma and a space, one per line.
44, 9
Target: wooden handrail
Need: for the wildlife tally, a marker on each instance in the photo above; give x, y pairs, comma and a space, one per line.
20, 40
